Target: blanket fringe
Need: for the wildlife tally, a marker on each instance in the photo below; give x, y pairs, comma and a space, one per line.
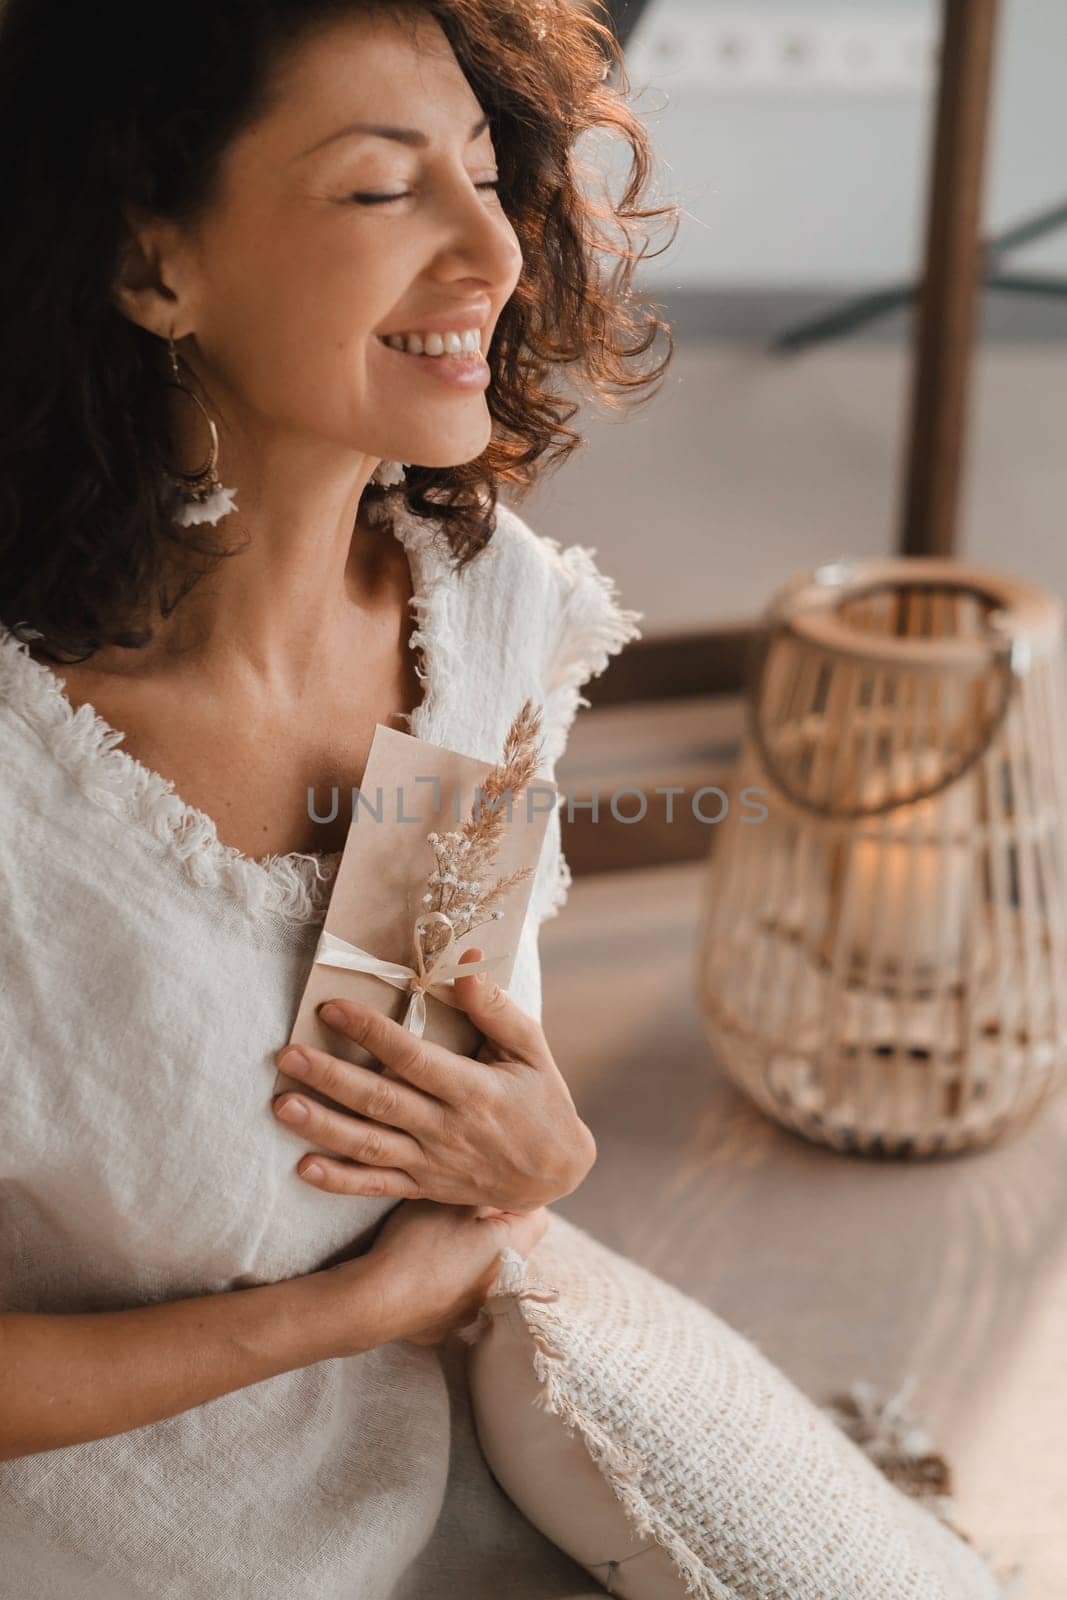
880, 1425
885, 1431
890, 1436
622, 1472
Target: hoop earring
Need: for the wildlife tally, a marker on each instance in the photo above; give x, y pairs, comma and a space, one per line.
202, 497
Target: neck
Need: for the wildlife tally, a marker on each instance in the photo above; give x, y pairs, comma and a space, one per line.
310, 567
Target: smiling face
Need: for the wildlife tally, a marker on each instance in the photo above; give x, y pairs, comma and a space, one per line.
342, 286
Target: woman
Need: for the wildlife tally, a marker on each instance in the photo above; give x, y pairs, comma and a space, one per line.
347, 235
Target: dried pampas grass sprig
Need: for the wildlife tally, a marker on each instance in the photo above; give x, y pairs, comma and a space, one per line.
463, 856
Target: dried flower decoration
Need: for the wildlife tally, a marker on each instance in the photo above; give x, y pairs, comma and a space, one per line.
459, 898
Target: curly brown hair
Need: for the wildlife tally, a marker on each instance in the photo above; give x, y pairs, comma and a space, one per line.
136, 109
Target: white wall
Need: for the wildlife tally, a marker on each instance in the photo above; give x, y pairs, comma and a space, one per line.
796, 188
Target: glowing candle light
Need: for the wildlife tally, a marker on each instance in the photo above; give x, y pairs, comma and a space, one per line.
907, 878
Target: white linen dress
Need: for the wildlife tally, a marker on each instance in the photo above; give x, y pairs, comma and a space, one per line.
148, 975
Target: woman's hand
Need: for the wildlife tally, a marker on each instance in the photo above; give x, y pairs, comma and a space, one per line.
431, 1266
499, 1130
76, 1377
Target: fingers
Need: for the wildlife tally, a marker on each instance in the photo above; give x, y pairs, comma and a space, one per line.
426, 1066
353, 1137
340, 1177
495, 1014
361, 1089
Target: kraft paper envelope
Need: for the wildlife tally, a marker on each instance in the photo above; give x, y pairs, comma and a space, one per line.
382, 877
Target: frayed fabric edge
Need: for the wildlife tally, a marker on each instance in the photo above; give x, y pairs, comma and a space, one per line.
594, 628
559, 890
295, 888
619, 1470
87, 749
879, 1425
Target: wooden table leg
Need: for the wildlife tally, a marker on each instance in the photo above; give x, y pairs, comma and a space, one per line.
949, 300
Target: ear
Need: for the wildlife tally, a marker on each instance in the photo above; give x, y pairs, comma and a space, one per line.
151, 277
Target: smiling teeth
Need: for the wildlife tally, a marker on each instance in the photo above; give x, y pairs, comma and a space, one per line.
436, 344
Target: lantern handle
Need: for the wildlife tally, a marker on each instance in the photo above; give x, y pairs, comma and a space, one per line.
1011, 660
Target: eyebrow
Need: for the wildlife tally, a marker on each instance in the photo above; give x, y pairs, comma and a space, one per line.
408, 136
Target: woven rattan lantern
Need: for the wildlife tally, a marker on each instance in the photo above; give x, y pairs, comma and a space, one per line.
883, 953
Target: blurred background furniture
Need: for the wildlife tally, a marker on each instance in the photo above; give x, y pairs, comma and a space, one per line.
678, 679
883, 958
945, 328
946, 323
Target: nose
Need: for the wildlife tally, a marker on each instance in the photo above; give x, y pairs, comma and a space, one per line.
481, 242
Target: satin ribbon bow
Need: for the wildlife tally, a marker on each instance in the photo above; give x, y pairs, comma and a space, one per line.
418, 981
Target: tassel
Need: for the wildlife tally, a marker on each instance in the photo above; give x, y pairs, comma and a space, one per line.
388, 473
904, 1453
214, 506
892, 1439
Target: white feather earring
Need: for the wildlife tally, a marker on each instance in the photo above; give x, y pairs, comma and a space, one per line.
202, 497
388, 473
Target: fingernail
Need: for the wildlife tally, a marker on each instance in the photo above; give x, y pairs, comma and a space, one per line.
293, 1111
332, 1015
312, 1172
293, 1061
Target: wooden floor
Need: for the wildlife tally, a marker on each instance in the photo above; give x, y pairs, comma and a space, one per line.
838, 1267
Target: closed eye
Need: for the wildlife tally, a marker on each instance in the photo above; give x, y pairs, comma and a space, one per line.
384, 199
